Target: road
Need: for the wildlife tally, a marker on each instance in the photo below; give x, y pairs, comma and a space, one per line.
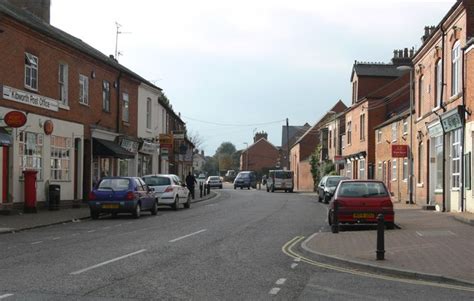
227, 248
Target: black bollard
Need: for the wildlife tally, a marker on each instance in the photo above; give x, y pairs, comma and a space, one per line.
200, 190
380, 237
335, 221
208, 188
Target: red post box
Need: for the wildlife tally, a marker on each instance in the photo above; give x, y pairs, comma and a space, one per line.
29, 177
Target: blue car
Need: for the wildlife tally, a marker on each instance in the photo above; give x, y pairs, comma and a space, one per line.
122, 195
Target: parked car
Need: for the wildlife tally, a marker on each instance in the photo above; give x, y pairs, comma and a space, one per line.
214, 181
245, 179
230, 175
169, 189
327, 187
201, 179
359, 202
280, 180
122, 194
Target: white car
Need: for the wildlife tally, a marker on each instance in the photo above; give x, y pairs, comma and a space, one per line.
214, 181
169, 190
201, 180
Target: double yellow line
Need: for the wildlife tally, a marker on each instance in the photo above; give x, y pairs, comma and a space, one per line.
288, 250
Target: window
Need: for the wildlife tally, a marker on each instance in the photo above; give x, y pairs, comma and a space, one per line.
330, 138
31, 71
60, 158
438, 83
30, 151
63, 83
354, 92
405, 126
349, 133
83, 89
394, 170
362, 169
420, 163
394, 131
405, 169
125, 108
420, 96
379, 171
456, 158
349, 170
379, 136
123, 167
362, 127
343, 141
455, 69
106, 96
148, 113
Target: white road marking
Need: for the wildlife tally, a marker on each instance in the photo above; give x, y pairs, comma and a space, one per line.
118, 225
297, 259
36, 242
56, 238
294, 265
105, 228
186, 236
107, 262
280, 281
274, 291
5, 296
90, 231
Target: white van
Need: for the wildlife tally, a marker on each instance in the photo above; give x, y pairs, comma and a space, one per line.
280, 180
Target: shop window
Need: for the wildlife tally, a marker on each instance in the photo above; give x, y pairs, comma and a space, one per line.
60, 158
30, 146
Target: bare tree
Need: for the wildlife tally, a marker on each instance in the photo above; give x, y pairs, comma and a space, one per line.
195, 138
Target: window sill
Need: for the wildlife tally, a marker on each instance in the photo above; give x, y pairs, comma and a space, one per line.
435, 109
457, 189
394, 180
149, 131
438, 191
455, 97
64, 107
420, 185
31, 89
84, 104
125, 123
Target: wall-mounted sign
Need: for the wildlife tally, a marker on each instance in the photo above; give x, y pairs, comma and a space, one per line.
451, 120
166, 141
164, 154
149, 148
130, 145
30, 98
435, 129
48, 127
15, 119
178, 136
399, 150
339, 160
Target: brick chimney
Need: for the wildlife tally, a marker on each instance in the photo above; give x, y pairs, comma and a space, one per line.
403, 57
40, 8
260, 135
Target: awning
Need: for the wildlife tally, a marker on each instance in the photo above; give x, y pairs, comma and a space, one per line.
105, 148
5, 137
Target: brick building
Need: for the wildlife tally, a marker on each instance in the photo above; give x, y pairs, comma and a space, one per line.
261, 156
289, 135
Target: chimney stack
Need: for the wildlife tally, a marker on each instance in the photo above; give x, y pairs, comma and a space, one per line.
260, 135
40, 8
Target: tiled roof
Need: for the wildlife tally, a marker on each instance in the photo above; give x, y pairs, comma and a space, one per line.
376, 69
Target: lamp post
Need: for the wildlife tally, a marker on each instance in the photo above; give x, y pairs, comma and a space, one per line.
246, 156
410, 159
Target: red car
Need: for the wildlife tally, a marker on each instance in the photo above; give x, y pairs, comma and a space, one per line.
360, 201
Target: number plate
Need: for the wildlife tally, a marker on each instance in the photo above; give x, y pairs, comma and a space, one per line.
363, 215
110, 206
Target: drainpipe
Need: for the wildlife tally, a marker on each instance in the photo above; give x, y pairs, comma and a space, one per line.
463, 130
443, 61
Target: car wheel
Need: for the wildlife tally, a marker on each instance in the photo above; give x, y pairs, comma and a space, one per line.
220, 187
138, 211
248, 188
291, 190
390, 225
187, 205
94, 214
235, 187
268, 189
154, 209
330, 217
319, 198
241, 187
175, 206
327, 198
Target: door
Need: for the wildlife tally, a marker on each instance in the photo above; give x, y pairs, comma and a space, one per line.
142, 193
76, 166
389, 176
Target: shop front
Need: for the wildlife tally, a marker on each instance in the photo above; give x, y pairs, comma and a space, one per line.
148, 158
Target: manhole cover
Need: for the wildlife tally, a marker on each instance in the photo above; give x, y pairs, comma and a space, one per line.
432, 233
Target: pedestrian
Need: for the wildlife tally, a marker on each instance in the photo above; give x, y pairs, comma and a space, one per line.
190, 181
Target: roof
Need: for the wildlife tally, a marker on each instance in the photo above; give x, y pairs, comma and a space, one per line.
37, 24
397, 116
375, 69
259, 141
294, 131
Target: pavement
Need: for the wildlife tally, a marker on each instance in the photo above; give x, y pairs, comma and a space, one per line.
20, 221
428, 245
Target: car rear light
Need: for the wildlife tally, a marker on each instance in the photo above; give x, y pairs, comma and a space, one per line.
130, 196
169, 189
92, 196
387, 205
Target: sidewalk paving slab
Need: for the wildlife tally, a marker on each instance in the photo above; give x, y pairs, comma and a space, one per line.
429, 243
20, 221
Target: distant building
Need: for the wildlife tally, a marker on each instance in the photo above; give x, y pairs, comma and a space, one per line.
288, 138
260, 156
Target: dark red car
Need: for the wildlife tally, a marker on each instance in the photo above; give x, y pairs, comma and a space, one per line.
360, 201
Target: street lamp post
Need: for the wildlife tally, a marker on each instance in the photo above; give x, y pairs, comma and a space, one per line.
410, 159
246, 156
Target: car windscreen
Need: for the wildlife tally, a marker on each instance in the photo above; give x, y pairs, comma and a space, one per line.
332, 182
214, 178
157, 181
243, 175
283, 175
362, 189
114, 184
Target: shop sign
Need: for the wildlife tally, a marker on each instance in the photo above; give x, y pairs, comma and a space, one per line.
149, 148
339, 160
435, 130
15, 119
399, 150
48, 127
130, 145
30, 99
166, 141
178, 136
164, 153
451, 120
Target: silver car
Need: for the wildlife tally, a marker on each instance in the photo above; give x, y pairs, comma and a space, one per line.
169, 189
214, 181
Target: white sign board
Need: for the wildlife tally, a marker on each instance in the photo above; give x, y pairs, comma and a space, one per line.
30, 98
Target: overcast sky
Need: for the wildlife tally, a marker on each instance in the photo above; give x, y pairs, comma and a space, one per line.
235, 67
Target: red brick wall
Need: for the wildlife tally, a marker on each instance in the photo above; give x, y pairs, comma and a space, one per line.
260, 155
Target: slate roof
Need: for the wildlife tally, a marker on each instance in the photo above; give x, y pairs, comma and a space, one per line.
401, 114
375, 69
294, 132
37, 24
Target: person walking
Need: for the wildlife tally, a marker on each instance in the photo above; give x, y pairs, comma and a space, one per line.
190, 181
